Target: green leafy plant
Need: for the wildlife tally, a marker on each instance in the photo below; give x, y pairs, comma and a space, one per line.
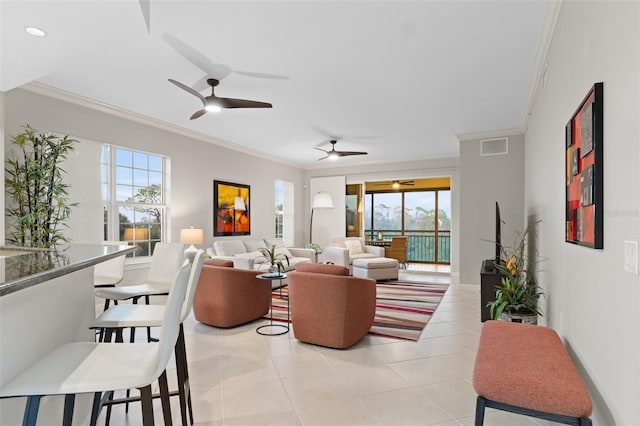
274, 259
39, 205
518, 290
315, 247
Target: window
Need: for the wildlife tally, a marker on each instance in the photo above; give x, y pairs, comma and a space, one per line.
284, 211
134, 194
422, 215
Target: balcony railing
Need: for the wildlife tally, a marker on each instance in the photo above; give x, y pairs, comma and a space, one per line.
423, 246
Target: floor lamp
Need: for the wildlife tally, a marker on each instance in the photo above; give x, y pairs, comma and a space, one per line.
321, 200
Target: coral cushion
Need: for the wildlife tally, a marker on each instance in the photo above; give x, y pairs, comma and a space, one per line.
320, 268
219, 262
528, 366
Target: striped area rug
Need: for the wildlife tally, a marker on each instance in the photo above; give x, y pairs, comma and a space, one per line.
403, 308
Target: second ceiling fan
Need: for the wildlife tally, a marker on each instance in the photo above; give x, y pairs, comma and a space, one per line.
332, 154
213, 103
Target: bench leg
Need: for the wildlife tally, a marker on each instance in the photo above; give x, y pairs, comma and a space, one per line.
480, 405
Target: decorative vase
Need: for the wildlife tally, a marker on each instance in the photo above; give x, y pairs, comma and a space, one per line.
273, 269
524, 317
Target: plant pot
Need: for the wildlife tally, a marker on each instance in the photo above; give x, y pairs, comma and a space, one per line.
524, 317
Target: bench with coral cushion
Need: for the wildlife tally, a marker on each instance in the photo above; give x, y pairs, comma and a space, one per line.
227, 296
328, 307
526, 369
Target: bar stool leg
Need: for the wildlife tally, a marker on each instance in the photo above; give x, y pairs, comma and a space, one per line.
146, 399
69, 402
164, 398
95, 408
31, 410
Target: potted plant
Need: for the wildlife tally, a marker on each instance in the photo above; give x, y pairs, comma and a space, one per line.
39, 205
274, 259
518, 293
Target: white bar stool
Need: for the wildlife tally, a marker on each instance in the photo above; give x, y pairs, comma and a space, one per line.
89, 367
129, 316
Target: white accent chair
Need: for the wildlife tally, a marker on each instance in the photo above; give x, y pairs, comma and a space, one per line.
344, 250
89, 367
123, 316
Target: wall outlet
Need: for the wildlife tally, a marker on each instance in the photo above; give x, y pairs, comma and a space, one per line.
631, 257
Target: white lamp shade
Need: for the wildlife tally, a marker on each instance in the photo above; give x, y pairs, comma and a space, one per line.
135, 234
238, 204
322, 200
192, 236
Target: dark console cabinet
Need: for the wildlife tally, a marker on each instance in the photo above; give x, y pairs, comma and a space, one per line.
489, 279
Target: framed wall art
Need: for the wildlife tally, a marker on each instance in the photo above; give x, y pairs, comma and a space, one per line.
583, 172
231, 209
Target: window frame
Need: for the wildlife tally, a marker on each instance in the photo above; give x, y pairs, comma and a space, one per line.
111, 204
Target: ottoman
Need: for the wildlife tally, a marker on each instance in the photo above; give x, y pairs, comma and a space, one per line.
378, 268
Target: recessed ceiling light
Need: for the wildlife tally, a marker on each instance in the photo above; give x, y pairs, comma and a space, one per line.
34, 31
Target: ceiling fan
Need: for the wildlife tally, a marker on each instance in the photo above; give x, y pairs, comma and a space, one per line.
213, 103
395, 184
332, 154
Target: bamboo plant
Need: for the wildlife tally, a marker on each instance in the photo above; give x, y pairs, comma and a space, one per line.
38, 197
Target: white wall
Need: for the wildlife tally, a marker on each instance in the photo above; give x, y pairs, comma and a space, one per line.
483, 181
194, 165
591, 301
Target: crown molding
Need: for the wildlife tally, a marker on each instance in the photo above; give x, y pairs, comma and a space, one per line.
73, 98
540, 63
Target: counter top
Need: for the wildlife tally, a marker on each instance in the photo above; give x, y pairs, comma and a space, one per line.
22, 267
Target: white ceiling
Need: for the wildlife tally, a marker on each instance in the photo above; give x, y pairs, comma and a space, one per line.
398, 79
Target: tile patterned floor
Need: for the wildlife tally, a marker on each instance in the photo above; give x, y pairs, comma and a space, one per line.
241, 378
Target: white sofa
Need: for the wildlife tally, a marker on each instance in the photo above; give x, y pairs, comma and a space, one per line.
344, 250
245, 254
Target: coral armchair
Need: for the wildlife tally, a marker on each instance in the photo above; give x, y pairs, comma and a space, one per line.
227, 296
328, 307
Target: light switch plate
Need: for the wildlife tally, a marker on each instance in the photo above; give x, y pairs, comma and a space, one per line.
631, 257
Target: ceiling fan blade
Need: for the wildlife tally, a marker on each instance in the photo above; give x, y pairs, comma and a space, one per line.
198, 114
242, 103
261, 75
219, 71
347, 153
190, 90
323, 158
320, 149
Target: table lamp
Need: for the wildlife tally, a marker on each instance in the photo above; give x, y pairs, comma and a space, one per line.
135, 234
191, 236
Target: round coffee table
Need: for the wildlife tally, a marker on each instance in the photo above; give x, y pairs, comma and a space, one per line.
274, 277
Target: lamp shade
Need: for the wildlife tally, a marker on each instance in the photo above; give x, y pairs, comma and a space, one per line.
238, 204
135, 234
192, 235
322, 200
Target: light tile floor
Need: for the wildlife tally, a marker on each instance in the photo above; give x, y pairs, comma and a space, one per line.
241, 378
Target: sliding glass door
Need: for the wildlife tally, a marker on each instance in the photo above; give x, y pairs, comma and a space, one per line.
422, 215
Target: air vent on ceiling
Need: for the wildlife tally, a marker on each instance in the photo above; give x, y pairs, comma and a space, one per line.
497, 146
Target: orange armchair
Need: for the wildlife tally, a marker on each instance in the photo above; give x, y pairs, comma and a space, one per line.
328, 307
227, 296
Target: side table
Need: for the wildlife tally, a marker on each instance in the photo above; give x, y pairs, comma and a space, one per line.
273, 277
